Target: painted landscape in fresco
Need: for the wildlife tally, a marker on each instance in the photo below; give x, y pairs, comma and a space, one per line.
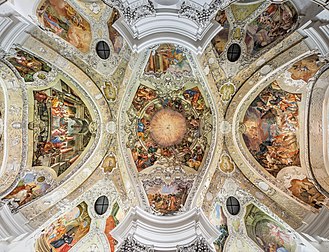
271, 25
168, 58
169, 128
30, 187
27, 65
66, 231
271, 123
306, 68
220, 40
167, 199
111, 222
219, 220
115, 37
62, 19
267, 233
60, 127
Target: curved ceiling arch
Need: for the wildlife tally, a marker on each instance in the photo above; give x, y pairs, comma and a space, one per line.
253, 165
193, 151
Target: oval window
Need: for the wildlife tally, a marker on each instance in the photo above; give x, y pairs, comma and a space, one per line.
233, 52
232, 205
101, 205
103, 50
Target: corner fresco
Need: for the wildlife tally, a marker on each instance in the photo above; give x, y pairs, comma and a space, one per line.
220, 40
63, 20
30, 187
167, 199
66, 231
219, 220
115, 37
169, 128
305, 69
273, 24
60, 127
111, 222
271, 124
267, 233
168, 58
27, 65
296, 181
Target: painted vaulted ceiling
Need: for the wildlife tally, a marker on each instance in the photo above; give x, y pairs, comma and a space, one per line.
164, 125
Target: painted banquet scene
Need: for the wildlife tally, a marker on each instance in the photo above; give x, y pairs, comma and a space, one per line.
164, 126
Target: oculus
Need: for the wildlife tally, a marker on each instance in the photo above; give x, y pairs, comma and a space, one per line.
103, 50
232, 205
101, 205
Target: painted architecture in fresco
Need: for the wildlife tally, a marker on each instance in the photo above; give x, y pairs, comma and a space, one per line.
219, 220
115, 37
66, 231
30, 187
167, 199
169, 127
27, 65
267, 233
111, 222
271, 123
168, 58
273, 24
62, 19
60, 127
221, 38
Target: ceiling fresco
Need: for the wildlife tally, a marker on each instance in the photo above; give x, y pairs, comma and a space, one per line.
60, 127
268, 234
164, 130
66, 231
64, 21
170, 128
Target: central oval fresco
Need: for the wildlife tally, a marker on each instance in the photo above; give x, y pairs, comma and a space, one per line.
169, 127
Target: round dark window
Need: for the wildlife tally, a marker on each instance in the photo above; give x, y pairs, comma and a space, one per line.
233, 205
233, 52
103, 50
101, 205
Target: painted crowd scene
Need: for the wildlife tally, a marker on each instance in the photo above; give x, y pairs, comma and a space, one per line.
271, 123
167, 199
273, 24
60, 127
169, 127
168, 58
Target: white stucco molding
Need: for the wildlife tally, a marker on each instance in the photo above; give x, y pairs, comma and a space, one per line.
167, 27
13, 226
165, 233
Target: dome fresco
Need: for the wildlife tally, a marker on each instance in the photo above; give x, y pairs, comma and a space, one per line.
203, 124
